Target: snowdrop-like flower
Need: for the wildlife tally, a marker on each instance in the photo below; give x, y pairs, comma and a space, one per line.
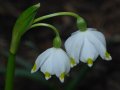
53, 61
86, 46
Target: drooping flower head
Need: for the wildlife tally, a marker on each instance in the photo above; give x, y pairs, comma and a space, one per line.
86, 46
53, 61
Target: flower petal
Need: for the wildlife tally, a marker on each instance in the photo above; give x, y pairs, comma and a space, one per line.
100, 47
41, 59
88, 51
48, 65
74, 44
98, 35
60, 62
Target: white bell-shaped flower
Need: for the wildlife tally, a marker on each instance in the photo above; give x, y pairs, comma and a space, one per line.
86, 46
53, 61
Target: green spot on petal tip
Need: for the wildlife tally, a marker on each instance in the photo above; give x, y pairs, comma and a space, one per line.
47, 75
107, 56
72, 62
62, 75
34, 68
90, 62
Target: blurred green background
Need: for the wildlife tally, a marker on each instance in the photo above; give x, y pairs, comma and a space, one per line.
101, 14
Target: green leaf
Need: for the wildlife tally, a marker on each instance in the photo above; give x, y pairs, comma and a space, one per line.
25, 19
22, 24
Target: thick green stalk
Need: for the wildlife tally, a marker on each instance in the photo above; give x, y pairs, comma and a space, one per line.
10, 72
21, 26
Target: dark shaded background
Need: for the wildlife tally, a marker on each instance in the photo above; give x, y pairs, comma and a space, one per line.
101, 14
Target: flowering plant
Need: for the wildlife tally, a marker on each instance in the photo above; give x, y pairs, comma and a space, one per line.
84, 45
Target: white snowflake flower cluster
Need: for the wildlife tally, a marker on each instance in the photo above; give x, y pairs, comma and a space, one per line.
84, 46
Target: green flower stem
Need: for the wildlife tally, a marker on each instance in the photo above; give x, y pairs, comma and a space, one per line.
81, 24
57, 39
15, 43
56, 14
22, 24
10, 72
46, 25
22, 62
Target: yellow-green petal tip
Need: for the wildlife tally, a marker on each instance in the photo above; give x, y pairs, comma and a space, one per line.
107, 56
90, 62
47, 75
34, 68
72, 62
62, 75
